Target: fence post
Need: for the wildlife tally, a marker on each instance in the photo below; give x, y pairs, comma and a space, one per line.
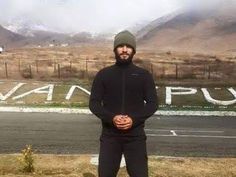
86, 64
86, 67
151, 69
163, 72
37, 66
70, 66
176, 71
55, 67
204, 71
209, 72
59, 71
19, 64
6, 70
30, 70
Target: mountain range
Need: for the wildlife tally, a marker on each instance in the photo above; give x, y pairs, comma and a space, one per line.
9, 38
199, 30
195, 29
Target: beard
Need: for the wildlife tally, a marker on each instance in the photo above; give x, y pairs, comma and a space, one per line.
121, 61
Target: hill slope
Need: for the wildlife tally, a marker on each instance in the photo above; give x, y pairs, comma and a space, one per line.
10, 39
199, 30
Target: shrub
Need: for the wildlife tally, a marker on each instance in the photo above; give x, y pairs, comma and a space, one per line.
26, 73
27, 159
68, 71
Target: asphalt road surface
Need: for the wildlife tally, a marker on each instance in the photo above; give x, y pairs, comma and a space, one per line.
78, 134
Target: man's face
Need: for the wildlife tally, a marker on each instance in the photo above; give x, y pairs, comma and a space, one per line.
124, 52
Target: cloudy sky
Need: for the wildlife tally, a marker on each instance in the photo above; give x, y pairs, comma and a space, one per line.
91, 15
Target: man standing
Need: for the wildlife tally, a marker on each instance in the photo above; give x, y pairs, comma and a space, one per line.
123, 96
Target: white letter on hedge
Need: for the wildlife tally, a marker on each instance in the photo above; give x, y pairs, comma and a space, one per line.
4, 97
218, 102
180, 91
40, 90
71, 91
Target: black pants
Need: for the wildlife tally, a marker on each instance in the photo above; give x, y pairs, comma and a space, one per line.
135, 153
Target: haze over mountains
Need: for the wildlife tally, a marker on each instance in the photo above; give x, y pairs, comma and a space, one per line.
8, 38
29, 37
206, 29
211, 28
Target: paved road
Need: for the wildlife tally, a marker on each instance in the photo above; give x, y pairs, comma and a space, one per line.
73, 133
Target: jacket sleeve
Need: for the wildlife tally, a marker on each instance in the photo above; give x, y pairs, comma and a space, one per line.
151, 102
96, 99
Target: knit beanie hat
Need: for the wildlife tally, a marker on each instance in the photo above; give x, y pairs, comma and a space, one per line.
125, 37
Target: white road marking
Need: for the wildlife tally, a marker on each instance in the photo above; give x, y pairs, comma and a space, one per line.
94, 160
87, 111
199, 131
158, 130
189, 131
173, 132
194, 136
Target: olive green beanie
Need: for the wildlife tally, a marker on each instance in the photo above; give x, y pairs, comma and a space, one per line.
125, 37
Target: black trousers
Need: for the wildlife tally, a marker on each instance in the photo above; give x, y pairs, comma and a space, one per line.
135, 153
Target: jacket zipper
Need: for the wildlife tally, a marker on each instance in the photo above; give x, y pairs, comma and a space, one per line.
123, 93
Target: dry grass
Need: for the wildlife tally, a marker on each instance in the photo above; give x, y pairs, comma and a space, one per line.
85, 61
79, 166
192, 167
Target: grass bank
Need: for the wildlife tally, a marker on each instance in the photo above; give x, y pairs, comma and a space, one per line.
70, 95
79, 166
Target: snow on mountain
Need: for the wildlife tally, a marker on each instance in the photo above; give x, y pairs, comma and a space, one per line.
25, 26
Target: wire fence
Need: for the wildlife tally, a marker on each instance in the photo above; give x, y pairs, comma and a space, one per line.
87, 69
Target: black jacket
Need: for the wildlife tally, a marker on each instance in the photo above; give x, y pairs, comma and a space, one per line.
127, 90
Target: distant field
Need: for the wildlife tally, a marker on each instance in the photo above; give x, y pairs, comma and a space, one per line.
68, 63
67, 66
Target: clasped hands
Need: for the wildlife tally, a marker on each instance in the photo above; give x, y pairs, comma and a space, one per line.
122, 122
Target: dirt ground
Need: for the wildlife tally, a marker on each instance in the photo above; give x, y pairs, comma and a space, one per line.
79, 166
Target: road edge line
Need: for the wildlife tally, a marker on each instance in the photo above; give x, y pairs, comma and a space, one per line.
87, 111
